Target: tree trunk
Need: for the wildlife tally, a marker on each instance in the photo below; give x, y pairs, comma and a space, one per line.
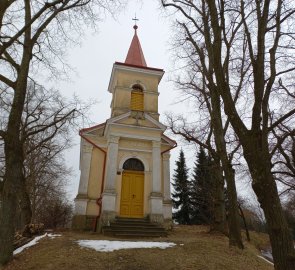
14, 157
13, 173
235, 236
25, 206
245, 223
219, 221
264, 186
7, 220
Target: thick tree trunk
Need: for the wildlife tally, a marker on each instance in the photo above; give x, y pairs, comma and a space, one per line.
219, 221
235, 236
13, 149
264, 186
9, 199
7, 218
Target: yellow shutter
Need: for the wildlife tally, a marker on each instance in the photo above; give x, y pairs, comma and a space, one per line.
136, 101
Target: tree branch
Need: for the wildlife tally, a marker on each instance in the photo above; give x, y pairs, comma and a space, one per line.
7, 81
283, 118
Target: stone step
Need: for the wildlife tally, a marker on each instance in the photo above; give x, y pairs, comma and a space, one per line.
133, 224
136, 233
133, 227
138, 220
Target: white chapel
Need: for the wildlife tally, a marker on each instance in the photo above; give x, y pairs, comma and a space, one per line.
124, 162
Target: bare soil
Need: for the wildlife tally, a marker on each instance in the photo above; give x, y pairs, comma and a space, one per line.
196, 249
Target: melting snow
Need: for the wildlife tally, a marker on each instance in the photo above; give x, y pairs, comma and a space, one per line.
34, 242
52, 236
264, 259
106, 246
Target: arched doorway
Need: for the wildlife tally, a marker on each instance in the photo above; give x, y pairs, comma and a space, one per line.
132, 189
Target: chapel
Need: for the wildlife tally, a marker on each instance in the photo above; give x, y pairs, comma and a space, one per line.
124, 162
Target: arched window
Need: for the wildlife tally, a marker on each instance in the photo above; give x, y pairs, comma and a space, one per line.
137, 100
133, 164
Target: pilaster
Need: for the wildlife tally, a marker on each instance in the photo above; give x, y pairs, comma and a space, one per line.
109, 194
156, 197
167, 203
111, 165
85, 167
156, 182
166, 176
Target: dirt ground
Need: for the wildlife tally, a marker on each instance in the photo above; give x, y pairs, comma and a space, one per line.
196, 249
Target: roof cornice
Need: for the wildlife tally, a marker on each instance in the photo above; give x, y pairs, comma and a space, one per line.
118, 66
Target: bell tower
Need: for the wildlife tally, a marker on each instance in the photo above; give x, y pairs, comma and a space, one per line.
134, 85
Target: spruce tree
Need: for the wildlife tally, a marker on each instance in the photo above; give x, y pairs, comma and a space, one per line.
180, 196
202, 190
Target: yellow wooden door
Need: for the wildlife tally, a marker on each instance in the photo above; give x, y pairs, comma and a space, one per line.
132, 195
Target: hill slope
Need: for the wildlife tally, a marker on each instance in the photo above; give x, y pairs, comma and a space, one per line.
195, 249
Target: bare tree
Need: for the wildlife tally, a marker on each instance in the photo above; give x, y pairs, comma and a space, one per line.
220, 32
211, 126
48, 122
33, 35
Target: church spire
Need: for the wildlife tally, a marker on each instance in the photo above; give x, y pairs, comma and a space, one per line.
135, 55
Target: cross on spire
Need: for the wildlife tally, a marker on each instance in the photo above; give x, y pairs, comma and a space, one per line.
135, 19
135, 55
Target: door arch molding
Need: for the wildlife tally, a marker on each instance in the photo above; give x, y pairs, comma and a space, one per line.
133, 164
126, 157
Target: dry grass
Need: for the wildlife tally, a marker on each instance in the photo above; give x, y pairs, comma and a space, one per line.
200, 251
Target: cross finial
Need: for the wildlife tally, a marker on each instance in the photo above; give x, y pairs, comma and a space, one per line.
135, 21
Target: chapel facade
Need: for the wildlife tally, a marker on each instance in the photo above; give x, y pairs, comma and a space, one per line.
124, 162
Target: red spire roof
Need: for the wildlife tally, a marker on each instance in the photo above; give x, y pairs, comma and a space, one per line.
135, 55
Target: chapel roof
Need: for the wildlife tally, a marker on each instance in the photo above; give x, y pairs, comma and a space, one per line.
135, 54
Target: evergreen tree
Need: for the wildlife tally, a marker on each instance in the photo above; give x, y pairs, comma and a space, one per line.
180, 196
202, 190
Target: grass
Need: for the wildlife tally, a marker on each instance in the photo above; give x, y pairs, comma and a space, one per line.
196, 249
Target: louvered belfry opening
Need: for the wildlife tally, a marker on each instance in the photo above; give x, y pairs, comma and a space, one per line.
137, 98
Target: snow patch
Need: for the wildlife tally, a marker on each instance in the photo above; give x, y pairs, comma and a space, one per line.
52, 235
108, 246
30, 244
264, 259
34, 242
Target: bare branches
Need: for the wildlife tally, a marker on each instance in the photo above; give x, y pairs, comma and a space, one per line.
271, 80
241, 48
28, 40
179, 126
282, 119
